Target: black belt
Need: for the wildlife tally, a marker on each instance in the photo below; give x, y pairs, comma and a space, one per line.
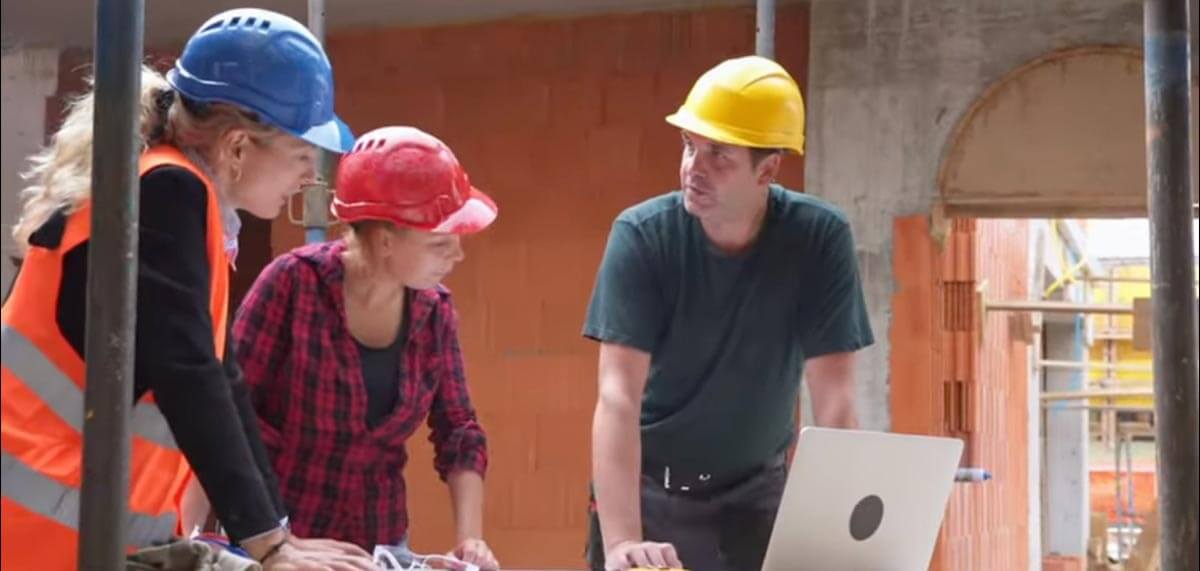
700, 484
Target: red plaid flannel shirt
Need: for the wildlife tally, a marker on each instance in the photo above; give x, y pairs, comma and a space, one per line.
339, 478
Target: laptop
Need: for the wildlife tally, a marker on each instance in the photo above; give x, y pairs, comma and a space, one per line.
862, 500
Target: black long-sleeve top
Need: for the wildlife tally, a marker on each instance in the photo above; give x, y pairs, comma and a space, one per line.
203, 397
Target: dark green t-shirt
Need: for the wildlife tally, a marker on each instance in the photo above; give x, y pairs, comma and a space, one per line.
727, 334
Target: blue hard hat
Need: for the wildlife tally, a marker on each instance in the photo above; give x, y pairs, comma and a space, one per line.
267, 63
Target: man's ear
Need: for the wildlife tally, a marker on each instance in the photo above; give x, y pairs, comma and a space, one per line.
768, 169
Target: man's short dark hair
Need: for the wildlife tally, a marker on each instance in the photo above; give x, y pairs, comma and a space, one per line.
759, 155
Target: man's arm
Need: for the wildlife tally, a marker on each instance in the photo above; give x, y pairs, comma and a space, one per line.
617, 461
837, 327
617, 443
831, 384
627, 315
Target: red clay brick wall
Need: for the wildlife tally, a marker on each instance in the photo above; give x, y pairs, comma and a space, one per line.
562, 122
937, 342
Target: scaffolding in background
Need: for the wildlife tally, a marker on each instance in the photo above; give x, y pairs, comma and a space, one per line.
1119, 419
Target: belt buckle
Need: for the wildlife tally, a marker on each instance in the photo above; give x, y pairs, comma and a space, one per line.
701, 478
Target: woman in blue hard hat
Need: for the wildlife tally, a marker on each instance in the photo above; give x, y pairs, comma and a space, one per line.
235, 125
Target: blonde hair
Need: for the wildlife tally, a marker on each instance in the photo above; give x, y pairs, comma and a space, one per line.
60, 174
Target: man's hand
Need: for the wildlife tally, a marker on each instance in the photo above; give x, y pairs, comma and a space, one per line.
628, 554
617, 450
476, 552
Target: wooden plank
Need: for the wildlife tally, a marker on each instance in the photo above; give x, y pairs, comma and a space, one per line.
1076, 206
1144, 556
1021, 328
1098, 541
1090, 406
1094, 393
1059, 307
1114, 335
1142, 320
1117, 279
1094, 365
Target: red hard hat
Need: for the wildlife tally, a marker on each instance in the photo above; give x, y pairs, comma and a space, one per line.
409, 177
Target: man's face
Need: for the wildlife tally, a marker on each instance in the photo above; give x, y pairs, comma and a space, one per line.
720, 181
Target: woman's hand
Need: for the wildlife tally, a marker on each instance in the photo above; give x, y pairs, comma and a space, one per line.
476, 552
280, 551
290, 557
327, 545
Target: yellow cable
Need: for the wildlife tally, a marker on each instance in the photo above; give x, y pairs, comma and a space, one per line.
1068, 276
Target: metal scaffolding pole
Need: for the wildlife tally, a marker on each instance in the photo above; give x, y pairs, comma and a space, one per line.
316, 196
1168, 156
112, 285
1057, 306
764, 40
1116, 279
1093, 365
1095, 393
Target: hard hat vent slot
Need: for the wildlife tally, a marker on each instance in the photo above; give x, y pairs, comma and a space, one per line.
367, 145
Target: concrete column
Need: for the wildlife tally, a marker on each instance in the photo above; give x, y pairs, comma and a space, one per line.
1065, 512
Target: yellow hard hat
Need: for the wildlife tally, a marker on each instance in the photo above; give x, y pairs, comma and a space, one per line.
748, 101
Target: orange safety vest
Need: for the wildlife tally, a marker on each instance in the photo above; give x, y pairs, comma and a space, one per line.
42, 425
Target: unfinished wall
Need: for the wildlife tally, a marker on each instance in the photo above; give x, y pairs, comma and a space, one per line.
993, 522
962, 373
29, 76
888, 80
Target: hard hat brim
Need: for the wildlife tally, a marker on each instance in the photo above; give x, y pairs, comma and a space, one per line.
477, 213
687, 121
333, 135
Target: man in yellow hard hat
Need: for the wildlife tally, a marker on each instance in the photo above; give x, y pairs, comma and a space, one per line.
709, 304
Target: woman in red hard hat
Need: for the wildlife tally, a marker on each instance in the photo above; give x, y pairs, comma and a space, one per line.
349, 345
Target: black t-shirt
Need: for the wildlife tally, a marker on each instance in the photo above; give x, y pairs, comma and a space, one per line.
727, 334
381, 368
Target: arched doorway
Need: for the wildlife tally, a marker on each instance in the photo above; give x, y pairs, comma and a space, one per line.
1062, 135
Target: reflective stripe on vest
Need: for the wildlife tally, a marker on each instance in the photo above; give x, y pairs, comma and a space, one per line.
64, 397
48, 498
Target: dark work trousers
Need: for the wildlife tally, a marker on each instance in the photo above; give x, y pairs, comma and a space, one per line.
712, 530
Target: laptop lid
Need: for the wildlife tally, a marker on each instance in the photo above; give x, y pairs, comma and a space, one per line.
862, 500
